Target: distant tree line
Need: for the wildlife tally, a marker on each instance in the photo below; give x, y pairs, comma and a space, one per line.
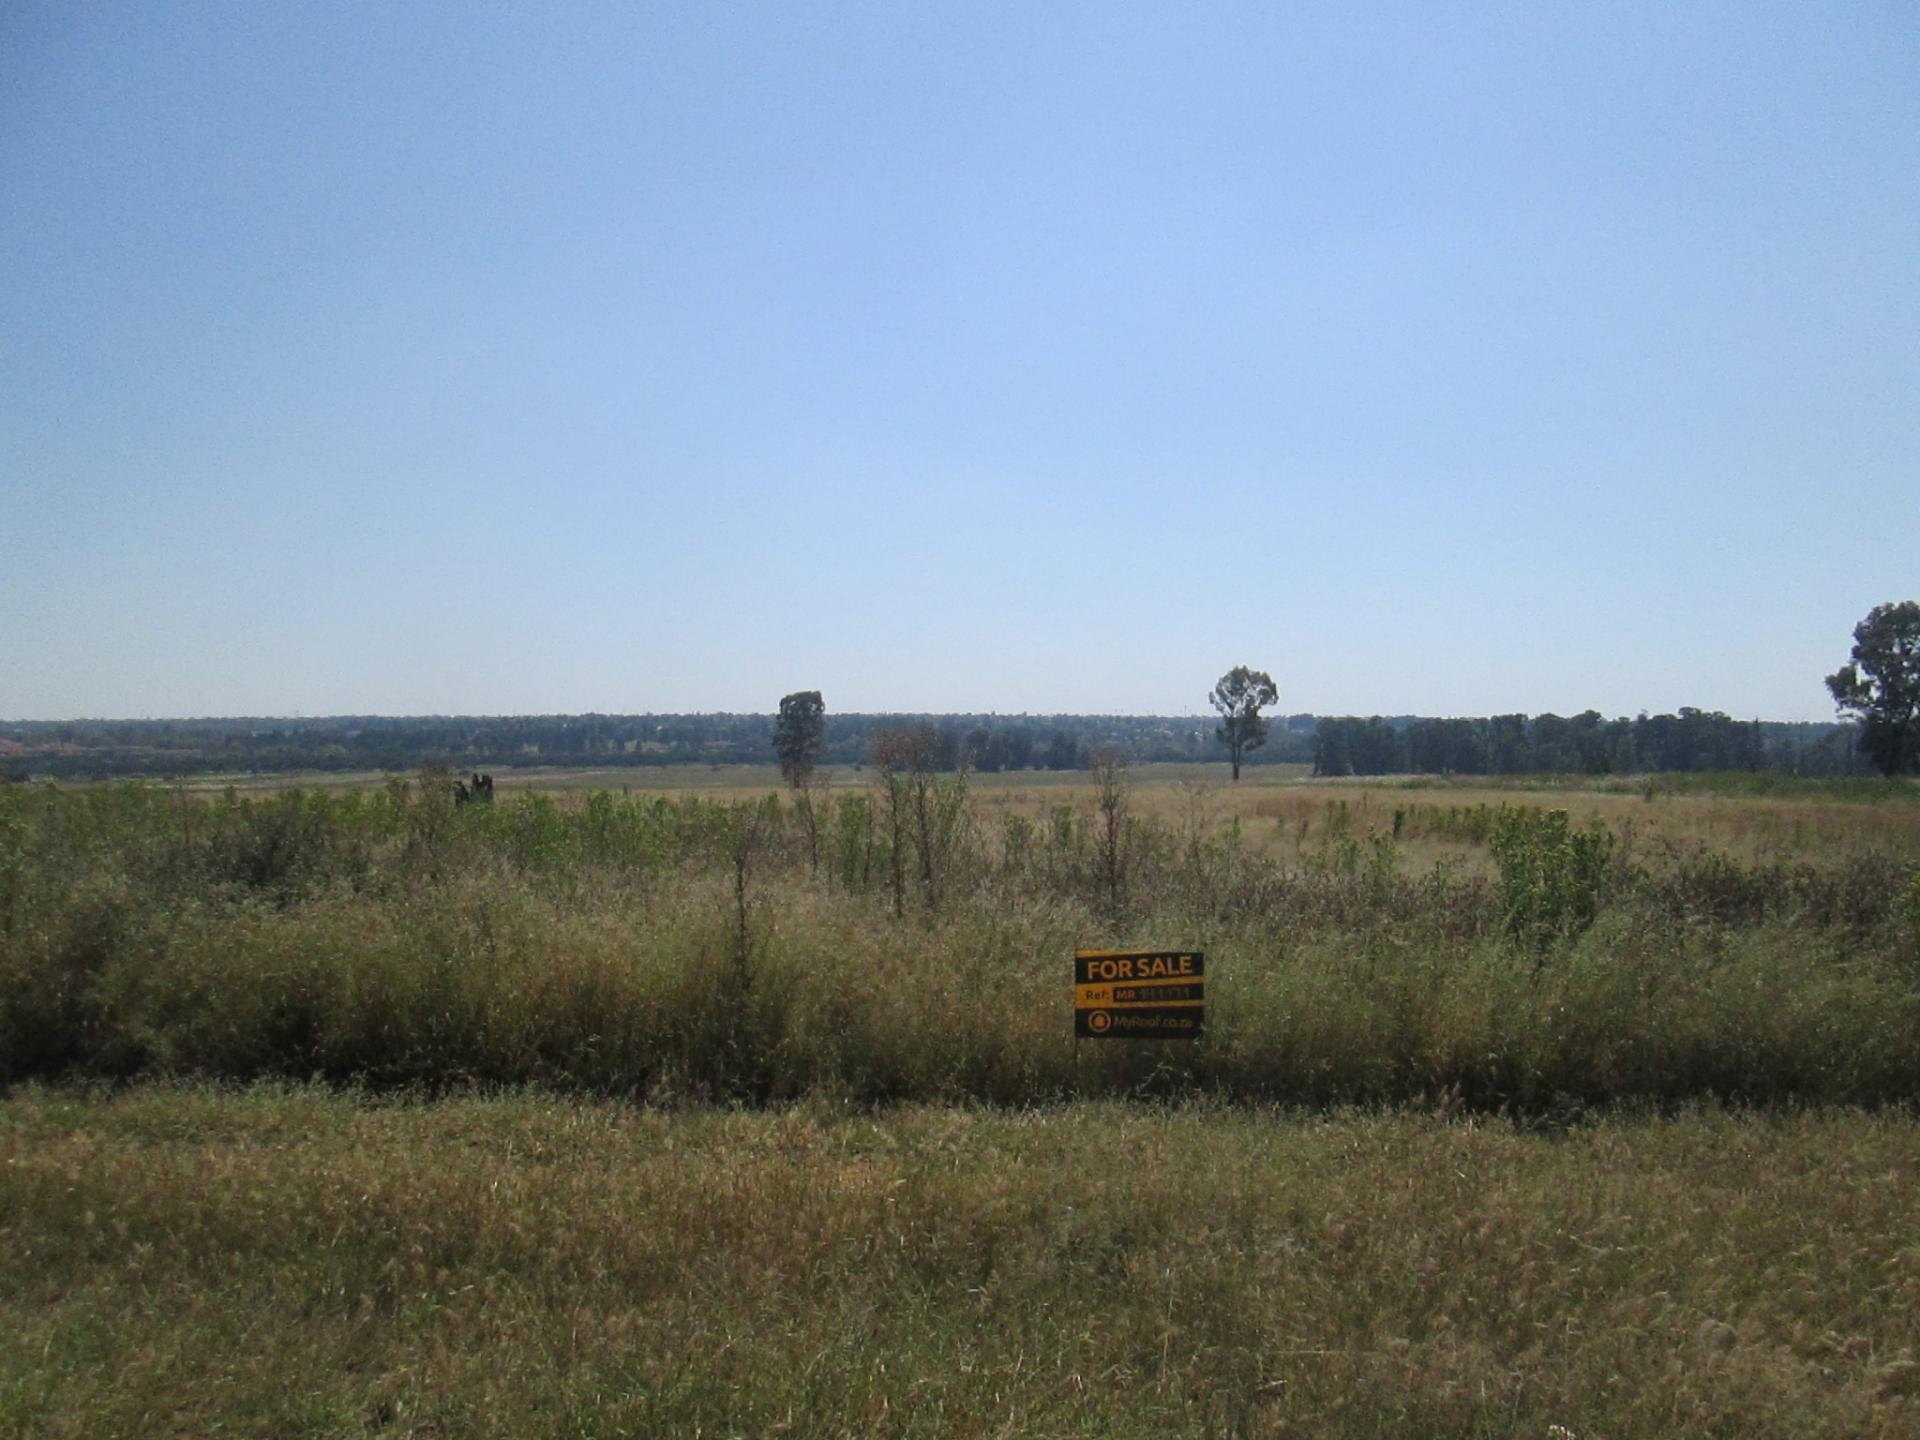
93, 749
1499, 745
1586, 743
1878, 690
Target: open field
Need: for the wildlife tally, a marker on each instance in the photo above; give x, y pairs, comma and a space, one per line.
295, 1263
1283, 811
699, 1113
683, 780
1367, 944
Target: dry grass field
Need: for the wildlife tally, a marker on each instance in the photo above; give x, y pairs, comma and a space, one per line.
741, 781
353, 1112
299, 1263
1284, 811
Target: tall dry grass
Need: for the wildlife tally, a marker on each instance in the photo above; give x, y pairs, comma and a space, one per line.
630, 946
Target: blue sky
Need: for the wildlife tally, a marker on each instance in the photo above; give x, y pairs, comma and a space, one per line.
505, 358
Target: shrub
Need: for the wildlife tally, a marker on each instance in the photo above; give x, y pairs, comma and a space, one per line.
1551, 875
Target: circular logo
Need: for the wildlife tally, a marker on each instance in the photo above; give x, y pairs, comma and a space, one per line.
1099, 1022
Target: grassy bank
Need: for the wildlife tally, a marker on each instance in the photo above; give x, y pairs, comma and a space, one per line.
303, 1263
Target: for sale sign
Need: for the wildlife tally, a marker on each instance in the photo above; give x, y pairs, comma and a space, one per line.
1139, 994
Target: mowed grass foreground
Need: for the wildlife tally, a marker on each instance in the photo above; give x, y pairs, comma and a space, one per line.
302, 1262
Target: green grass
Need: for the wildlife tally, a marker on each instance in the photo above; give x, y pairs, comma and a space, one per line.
305, 1263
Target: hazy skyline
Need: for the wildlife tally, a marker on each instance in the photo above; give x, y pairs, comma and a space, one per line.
508, 359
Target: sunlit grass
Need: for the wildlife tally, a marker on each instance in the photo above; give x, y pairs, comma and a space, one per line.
598, 944
610, 1146
303, 1263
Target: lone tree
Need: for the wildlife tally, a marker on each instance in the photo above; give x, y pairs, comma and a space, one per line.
797, 737
1881, 686
1239, 697
798, 734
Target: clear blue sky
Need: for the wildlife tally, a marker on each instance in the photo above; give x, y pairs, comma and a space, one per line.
505, 358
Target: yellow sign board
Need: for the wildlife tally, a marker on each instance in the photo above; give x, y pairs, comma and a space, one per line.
1139, 994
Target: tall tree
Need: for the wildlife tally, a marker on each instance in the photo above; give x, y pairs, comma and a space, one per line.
798, 734
1239, 696
1881, 686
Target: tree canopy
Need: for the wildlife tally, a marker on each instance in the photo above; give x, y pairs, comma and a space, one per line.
798, 734
1880, 686
1239, 696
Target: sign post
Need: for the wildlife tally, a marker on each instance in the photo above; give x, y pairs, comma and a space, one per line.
1139, 994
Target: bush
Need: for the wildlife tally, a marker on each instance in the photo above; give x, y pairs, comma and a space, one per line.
1551, 875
